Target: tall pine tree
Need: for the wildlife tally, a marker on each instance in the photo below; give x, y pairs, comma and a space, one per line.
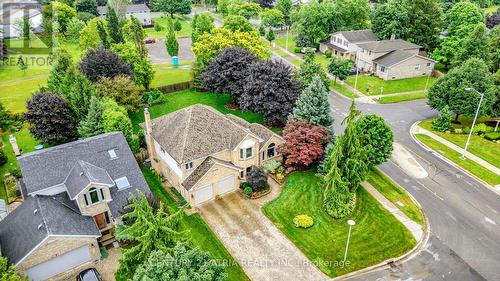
103, 35
312, 105
91, 125
62, 63
78, 93
114, 26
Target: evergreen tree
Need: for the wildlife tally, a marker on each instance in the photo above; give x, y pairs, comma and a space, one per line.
114, 26
78, 93
312, 105
310, 68
103, 35
171, 41
443, 122
150, 231
91, 125
270, 35
5, 118
262, 30
135, 33
62, 63
201, 23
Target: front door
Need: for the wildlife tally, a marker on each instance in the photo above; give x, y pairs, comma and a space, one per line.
100, 220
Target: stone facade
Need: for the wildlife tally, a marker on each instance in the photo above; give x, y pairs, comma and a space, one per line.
56, 246
94, 209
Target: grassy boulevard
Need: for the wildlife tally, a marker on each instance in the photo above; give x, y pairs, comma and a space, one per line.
376, 236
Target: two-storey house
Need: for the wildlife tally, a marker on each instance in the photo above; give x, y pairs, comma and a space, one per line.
345, 43
74, 195
204, 153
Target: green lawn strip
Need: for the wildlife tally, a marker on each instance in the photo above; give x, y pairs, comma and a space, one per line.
14, 96
371, 85
26, 144
342, 90
169, 76
12, 73
395, 193
454, 156
401, 98
201, 234
377, 235
487, 150
281, 41
184, 32
178, 100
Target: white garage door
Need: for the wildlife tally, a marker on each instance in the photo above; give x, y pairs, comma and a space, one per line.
227, 185
203, 194
59, 264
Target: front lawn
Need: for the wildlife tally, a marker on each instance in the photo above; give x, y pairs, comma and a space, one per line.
376, 236
401, 98
471, 166
396, 194
168, 75
487, 150
372, 85
281, 41
342, 90
178, 100
201, 234
184, 32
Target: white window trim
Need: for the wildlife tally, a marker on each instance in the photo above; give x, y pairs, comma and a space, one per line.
189, 165
88, 202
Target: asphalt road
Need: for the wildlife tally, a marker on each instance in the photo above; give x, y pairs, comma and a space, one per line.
464, 215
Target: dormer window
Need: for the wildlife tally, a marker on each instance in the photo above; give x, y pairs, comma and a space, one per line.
94, 196
188, 166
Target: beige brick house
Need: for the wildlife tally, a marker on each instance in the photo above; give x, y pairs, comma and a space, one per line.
204, 153
74, 195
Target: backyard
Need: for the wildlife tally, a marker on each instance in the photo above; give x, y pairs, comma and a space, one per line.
324, 242
201, 235
163, 21
371, 85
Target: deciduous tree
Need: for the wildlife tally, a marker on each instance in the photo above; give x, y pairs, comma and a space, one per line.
310, 68
237, 23
115, 118
377, 137
141, 67
87, 6
133, 32
172, 7
51, 118
121, 89
314, 21
103, 35
202, 23
312, 105
475, 45
304, 143
390, 18
245, 9
8, 272
57, 12
340, 68
352, 14
272, 17
89, 36
285, 6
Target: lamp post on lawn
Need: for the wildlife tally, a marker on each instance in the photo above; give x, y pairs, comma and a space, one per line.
350, 223
357, 72
475, 118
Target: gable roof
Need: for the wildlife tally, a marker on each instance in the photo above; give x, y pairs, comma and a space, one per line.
396, 57
388, 45
203, 168
356, 36
82, 174
196, 132
257, 129
132, 8
39, 217
51, 166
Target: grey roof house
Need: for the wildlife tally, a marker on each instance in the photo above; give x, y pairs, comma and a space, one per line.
140, 11
74, 194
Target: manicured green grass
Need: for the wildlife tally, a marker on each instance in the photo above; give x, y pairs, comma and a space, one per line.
26, 144
376, 236
201, 234
168, 76
324, 61
14, 73
14, 95
342, 90
178, 100
454, 156
395, 193
371, 85
401, 98
184, 32
281, 41
479, 146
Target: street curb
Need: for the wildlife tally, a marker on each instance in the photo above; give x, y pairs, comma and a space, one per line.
443, 158
406, 256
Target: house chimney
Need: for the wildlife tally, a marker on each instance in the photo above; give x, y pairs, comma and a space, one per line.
148, 136
393, 36
15, 147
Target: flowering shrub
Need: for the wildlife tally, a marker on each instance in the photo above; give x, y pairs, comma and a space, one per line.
303, 221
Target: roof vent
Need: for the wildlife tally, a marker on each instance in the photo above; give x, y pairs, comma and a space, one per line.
35, 211
112, 154
122, 183
40, 226
81, 174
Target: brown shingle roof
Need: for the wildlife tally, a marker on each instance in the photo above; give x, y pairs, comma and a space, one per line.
257, 129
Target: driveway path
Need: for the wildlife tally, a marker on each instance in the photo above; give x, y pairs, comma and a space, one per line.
252, 239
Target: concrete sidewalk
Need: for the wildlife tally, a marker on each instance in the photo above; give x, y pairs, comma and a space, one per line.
415, 228
419, 130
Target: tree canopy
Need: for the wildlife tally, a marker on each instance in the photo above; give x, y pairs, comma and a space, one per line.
99, 63
237, 23
377, 137
172, 7
312, 105
310, 68
202, 23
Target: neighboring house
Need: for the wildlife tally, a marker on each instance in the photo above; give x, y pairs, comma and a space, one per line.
74, 195
204, 153
140, 11
345, 43
12, 15
387, 59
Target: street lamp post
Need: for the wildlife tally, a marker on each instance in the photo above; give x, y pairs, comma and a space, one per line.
475, 118
350, 223
357, 71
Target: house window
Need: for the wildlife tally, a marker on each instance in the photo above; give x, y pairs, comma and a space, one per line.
188, 165
271, 150
370, 53
106, 215
334, 39
417, 66
245, 153
92, 197
382, 69
428, 65
242, 174
248, 169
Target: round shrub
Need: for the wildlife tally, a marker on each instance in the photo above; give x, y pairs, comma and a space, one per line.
247, 190
328, 54
303, 221
297, 50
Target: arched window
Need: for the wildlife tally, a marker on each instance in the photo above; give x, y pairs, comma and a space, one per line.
93, 196
271, 150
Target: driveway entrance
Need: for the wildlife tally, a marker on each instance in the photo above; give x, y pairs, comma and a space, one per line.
261, 249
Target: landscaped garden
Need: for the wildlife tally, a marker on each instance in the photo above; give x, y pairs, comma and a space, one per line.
201, 234
371, 85
376, 236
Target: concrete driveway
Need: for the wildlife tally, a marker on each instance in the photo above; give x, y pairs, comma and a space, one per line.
260, 248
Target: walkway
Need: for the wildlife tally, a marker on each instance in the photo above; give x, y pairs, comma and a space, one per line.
415, 228
419, 130
15, 81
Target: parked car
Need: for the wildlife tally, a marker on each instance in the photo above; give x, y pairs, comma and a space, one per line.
149, 40
304, 50
90, 274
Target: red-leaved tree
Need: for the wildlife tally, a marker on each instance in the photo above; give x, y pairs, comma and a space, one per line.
303, 143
